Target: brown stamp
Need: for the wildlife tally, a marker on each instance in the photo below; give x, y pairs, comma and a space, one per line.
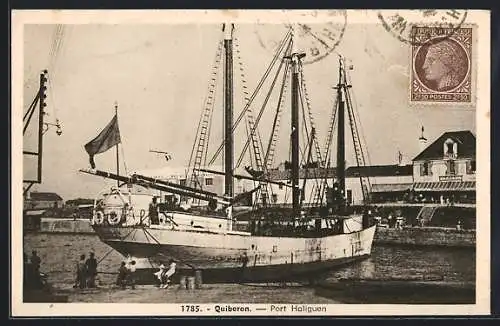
441, 64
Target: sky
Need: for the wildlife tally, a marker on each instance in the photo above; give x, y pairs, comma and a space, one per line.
158, 75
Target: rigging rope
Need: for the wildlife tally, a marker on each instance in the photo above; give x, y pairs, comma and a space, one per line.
254, 132
259, 116
310, 114
273, 137
146, 233
264, 77
356, 116
358, 146
318, 184
200, 144
310, 140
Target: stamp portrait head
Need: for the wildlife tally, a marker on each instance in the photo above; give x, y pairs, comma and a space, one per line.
441, 66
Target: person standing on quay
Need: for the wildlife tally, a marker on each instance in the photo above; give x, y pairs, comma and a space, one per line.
28, 273
131, 274
121, 280
81, 273
91, 265
35, 262
153, 212
244, 260
35, 269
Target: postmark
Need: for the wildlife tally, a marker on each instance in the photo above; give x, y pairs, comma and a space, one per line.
400, 23
317, 40
441, 64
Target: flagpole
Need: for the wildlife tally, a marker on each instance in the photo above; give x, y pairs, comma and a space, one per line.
117, 152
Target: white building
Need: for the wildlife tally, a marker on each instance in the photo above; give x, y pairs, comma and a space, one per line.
446, 169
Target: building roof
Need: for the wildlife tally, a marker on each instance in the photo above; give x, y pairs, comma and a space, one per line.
351, 172
465, 140
45, 196
391, 187
393, 170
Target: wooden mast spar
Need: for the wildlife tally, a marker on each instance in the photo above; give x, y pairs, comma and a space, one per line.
295, 58
228, 110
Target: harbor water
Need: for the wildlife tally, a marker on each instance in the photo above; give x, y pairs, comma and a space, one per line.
60, 252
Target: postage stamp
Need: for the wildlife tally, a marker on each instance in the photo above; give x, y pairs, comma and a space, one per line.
250, 163
441, 64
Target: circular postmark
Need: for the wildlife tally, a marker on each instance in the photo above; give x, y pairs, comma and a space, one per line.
317, 40
441, 65
404, 25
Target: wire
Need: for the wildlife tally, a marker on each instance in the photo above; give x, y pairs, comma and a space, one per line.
55, 53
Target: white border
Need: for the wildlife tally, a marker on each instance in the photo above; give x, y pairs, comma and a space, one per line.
19, 18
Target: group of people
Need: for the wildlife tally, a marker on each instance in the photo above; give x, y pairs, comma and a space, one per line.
86, 272
126, 274
164, 275
32, 276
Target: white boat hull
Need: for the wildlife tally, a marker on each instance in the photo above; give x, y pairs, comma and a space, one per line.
219, 254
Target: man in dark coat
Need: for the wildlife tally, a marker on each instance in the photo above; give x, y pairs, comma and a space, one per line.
153, 212
81, 273
121, 279
91, 265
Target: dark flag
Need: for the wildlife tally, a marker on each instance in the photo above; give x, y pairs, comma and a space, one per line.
109, 137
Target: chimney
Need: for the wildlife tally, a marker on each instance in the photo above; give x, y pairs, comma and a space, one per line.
422, 141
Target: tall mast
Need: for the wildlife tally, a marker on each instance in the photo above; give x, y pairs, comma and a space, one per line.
295, 57
228, 110
117, 152
341, 140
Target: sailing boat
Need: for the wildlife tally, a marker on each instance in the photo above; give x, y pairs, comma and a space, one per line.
205, 242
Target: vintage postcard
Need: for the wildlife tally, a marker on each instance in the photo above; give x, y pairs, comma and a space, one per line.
270, 162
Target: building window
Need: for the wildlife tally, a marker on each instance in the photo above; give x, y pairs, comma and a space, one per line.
209, 181
425, 169
349, 197
450, 167
280, 186
450, 149
275, 198
471, 167
182, 182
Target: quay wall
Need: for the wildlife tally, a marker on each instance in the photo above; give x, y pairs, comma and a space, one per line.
425, 236
65, 225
